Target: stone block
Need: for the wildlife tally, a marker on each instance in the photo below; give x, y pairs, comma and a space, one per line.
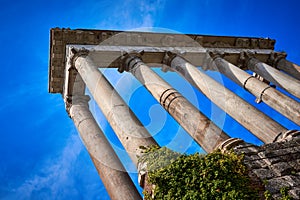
286, 158
264, 174
276, 196
252, 157
295, 156
244, 145
256, 164
272, 146
249, 150
278, 152
57, 49
281, 168
262, 155
296, 149
295, 164
57, 42
295, 193
293, 180
270, 161
274, 185
291, 143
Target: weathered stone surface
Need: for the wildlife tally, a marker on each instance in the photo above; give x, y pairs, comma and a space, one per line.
260, 89
128, 128
244, 146
295, 193
111, 171
292, 180
205, 132
264, 173
59, 38
249, 150
295, 156
251, 118
281, 168
251, 157
270, 161
274, 185
275, 164
275, 76
256, 164
278, 163
295, 164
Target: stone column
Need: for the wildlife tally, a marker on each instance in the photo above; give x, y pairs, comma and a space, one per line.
273, 75
262, 91
278, 60
123, 121
248, 116
204, 131
289, 67
112, 173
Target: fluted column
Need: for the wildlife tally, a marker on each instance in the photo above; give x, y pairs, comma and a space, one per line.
248, 116
262, 91
123, 121
204, 131
273, 75
112, 173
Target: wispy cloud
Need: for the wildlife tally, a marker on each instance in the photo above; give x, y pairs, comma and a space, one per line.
130, 14
54, 179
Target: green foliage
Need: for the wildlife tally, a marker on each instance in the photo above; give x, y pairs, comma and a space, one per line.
214, 176
284, 193
157, 158
268, 195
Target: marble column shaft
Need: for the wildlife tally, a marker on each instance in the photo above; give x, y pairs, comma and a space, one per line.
273, 75
123, 121
204, 131
262, 91
248, 116
291, 68
112, 173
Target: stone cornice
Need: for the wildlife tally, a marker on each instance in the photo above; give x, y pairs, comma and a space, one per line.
59, 38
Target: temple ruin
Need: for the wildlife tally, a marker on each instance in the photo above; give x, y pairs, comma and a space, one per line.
77, 55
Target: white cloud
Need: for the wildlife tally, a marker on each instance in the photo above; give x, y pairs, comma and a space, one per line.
130, 14
54, 179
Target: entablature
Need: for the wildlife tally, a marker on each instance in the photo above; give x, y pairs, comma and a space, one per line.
153, 44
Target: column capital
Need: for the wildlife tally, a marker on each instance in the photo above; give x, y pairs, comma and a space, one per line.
248, 60
211, 59
80, 99
167, 60
77, 53
77, 100
169, 56
245, 57
275, 57
216, 54
130, 61
282, 136
229, 144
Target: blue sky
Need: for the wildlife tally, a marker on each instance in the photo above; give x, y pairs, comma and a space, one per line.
42, 156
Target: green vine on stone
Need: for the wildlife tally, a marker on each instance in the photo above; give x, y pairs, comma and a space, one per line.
214, 176
284, 194
157, 158
268, 195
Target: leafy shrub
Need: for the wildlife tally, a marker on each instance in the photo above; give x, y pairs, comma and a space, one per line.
214, 176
